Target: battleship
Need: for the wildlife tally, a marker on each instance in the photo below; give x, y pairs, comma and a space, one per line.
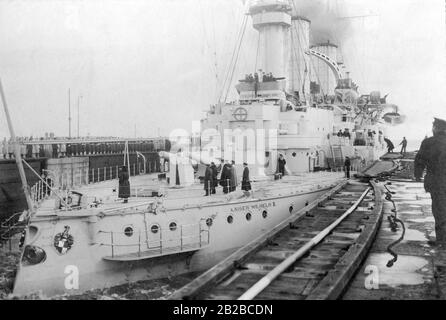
87, 237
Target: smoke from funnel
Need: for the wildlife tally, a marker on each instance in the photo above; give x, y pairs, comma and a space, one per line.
324, 16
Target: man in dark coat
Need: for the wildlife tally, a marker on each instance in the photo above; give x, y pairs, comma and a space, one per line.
214, 177
403, 145
390, 145
225, 177
246, 183
432, 157
124, 184
282, 163
347, 166
208, 181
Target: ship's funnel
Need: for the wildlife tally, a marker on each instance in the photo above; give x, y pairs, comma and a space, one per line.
272, 18
299, 63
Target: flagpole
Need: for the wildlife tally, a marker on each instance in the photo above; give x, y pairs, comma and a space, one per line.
18, 157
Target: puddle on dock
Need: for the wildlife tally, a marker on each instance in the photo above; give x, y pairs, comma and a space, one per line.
424, 220
410, 235
408, 270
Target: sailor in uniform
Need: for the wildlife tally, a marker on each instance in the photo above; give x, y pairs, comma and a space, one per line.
214, 177
282, 163
432, 157
124, 184
208, 180
246, 183
347, 166
225, 177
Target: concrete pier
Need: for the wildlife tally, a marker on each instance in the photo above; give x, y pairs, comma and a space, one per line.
420, 270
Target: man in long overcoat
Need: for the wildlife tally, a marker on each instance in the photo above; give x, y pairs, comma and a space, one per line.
225, 177
246, 183
214, 177
208, 181
432, 157
124, 184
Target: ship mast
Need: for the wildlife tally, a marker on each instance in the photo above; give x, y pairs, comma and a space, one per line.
18, 157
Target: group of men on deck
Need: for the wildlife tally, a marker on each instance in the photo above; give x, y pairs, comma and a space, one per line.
391, 147
266, 77
228, 178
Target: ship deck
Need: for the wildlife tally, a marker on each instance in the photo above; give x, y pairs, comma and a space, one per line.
143, 186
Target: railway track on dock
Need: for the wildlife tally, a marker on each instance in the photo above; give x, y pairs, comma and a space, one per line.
312, 255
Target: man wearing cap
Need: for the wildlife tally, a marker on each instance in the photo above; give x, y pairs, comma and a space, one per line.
124, 184
208, 181
214, 177
225, 177
246, 183
403, 145
282, 163
432, 157
347, 166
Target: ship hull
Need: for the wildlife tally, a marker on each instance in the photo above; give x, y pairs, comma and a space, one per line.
90, 264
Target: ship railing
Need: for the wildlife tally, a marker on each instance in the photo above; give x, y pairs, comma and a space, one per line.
112, 172
185, 241
354, 168
340, 141
83, 176
41, 191
58, 148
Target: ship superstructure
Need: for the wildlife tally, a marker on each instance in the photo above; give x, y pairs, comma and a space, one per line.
300, 118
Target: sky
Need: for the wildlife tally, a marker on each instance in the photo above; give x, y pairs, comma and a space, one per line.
139, 67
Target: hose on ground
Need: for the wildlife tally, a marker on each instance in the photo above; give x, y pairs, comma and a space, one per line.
393, 220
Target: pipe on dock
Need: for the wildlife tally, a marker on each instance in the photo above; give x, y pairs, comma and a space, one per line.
277, 271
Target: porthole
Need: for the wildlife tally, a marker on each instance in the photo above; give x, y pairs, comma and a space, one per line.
209, 222
248, 216
294, 154
230, 219
265, 214
173, 226
155, 228
128, 231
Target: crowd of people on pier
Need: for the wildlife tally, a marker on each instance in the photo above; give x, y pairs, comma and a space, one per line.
40, 147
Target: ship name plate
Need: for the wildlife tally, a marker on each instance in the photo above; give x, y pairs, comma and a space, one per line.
254, 206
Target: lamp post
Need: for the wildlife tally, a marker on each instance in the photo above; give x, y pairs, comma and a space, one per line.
69, 113
78, 117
